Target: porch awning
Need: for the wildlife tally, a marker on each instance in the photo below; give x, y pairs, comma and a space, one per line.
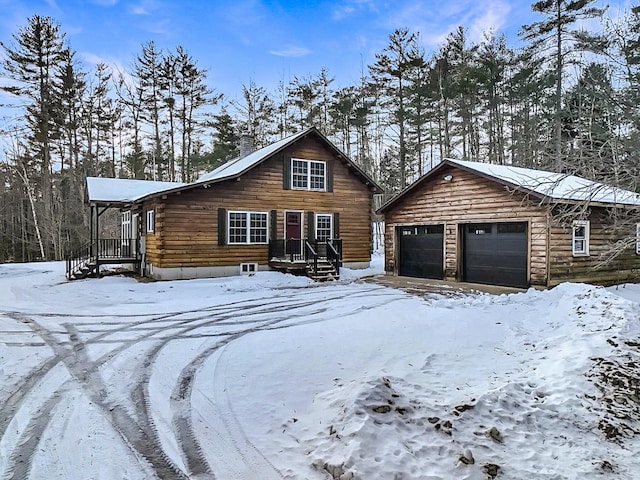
123, 190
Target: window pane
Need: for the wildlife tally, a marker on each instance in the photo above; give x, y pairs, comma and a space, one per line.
323, 227
237, 228
317, 175
258, 228
578, 246
578, 232
299, 170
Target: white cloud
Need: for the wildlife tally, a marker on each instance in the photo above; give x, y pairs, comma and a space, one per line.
493, 18
291, 51
138, 10
350, 7
105, 3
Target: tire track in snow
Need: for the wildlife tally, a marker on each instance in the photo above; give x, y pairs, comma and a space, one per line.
77, 363
247, 453
194, 458
12, 403
141, 437
136, 435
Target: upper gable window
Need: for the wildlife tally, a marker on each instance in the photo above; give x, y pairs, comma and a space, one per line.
308, 175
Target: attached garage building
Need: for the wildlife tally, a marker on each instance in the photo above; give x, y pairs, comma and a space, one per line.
503, 225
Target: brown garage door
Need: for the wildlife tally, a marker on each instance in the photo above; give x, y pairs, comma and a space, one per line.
496, 253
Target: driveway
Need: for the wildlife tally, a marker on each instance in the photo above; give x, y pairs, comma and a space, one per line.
426, 286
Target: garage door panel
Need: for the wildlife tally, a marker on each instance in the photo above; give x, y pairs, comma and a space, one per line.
421, 251
496, 253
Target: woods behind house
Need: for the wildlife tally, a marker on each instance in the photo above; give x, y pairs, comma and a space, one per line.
566, 99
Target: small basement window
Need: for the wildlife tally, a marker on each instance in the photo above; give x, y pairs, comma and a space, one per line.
248, 268
580, 245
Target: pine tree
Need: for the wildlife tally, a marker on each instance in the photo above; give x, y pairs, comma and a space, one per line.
555, 34
494, 58
98, 118
31, 64
146, 72
225, 138
255, 113
390, 74
193, 94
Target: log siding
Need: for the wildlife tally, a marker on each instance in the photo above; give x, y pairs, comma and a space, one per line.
472, 198
187, 221
593, 268
467, 198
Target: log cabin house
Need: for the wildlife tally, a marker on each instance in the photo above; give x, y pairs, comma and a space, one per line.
503, 225
298, 205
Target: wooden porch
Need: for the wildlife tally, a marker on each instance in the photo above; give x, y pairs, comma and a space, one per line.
86, 261
318, 259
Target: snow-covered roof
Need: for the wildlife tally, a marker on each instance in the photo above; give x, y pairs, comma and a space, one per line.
555, 186
239, 165
549, 186
124, 190
116, 190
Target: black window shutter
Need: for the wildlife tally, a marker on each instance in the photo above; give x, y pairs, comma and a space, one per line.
336, 225
273, 225
311, 225
222, 226
329, 173
286, 172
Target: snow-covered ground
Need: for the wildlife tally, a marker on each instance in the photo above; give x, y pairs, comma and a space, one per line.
272, 376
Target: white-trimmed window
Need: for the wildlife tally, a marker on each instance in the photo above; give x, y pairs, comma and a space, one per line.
324, 226
580, 245
308, 175
248, 227
151, 221
638, 238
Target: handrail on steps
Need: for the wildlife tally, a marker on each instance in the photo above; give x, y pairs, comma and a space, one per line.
308, 248
334, 257
78, 258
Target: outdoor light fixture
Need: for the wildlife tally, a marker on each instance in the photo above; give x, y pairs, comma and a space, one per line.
448, 177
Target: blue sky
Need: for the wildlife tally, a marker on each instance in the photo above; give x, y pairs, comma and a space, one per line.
267, 41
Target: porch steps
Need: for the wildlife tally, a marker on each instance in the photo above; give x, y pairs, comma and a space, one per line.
325, 271
83, 270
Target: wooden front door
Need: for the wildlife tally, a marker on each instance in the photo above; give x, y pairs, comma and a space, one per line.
293, 232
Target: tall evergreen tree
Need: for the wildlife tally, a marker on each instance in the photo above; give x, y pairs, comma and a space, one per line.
147, 72
32, 64
193, 92
555, 34
255, 113
390, 73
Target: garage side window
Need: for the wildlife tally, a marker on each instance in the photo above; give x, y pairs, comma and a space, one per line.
580, 246
151, 221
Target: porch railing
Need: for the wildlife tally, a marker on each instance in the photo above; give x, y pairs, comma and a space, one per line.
105, 250
308, 251
291, 249
114, 248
